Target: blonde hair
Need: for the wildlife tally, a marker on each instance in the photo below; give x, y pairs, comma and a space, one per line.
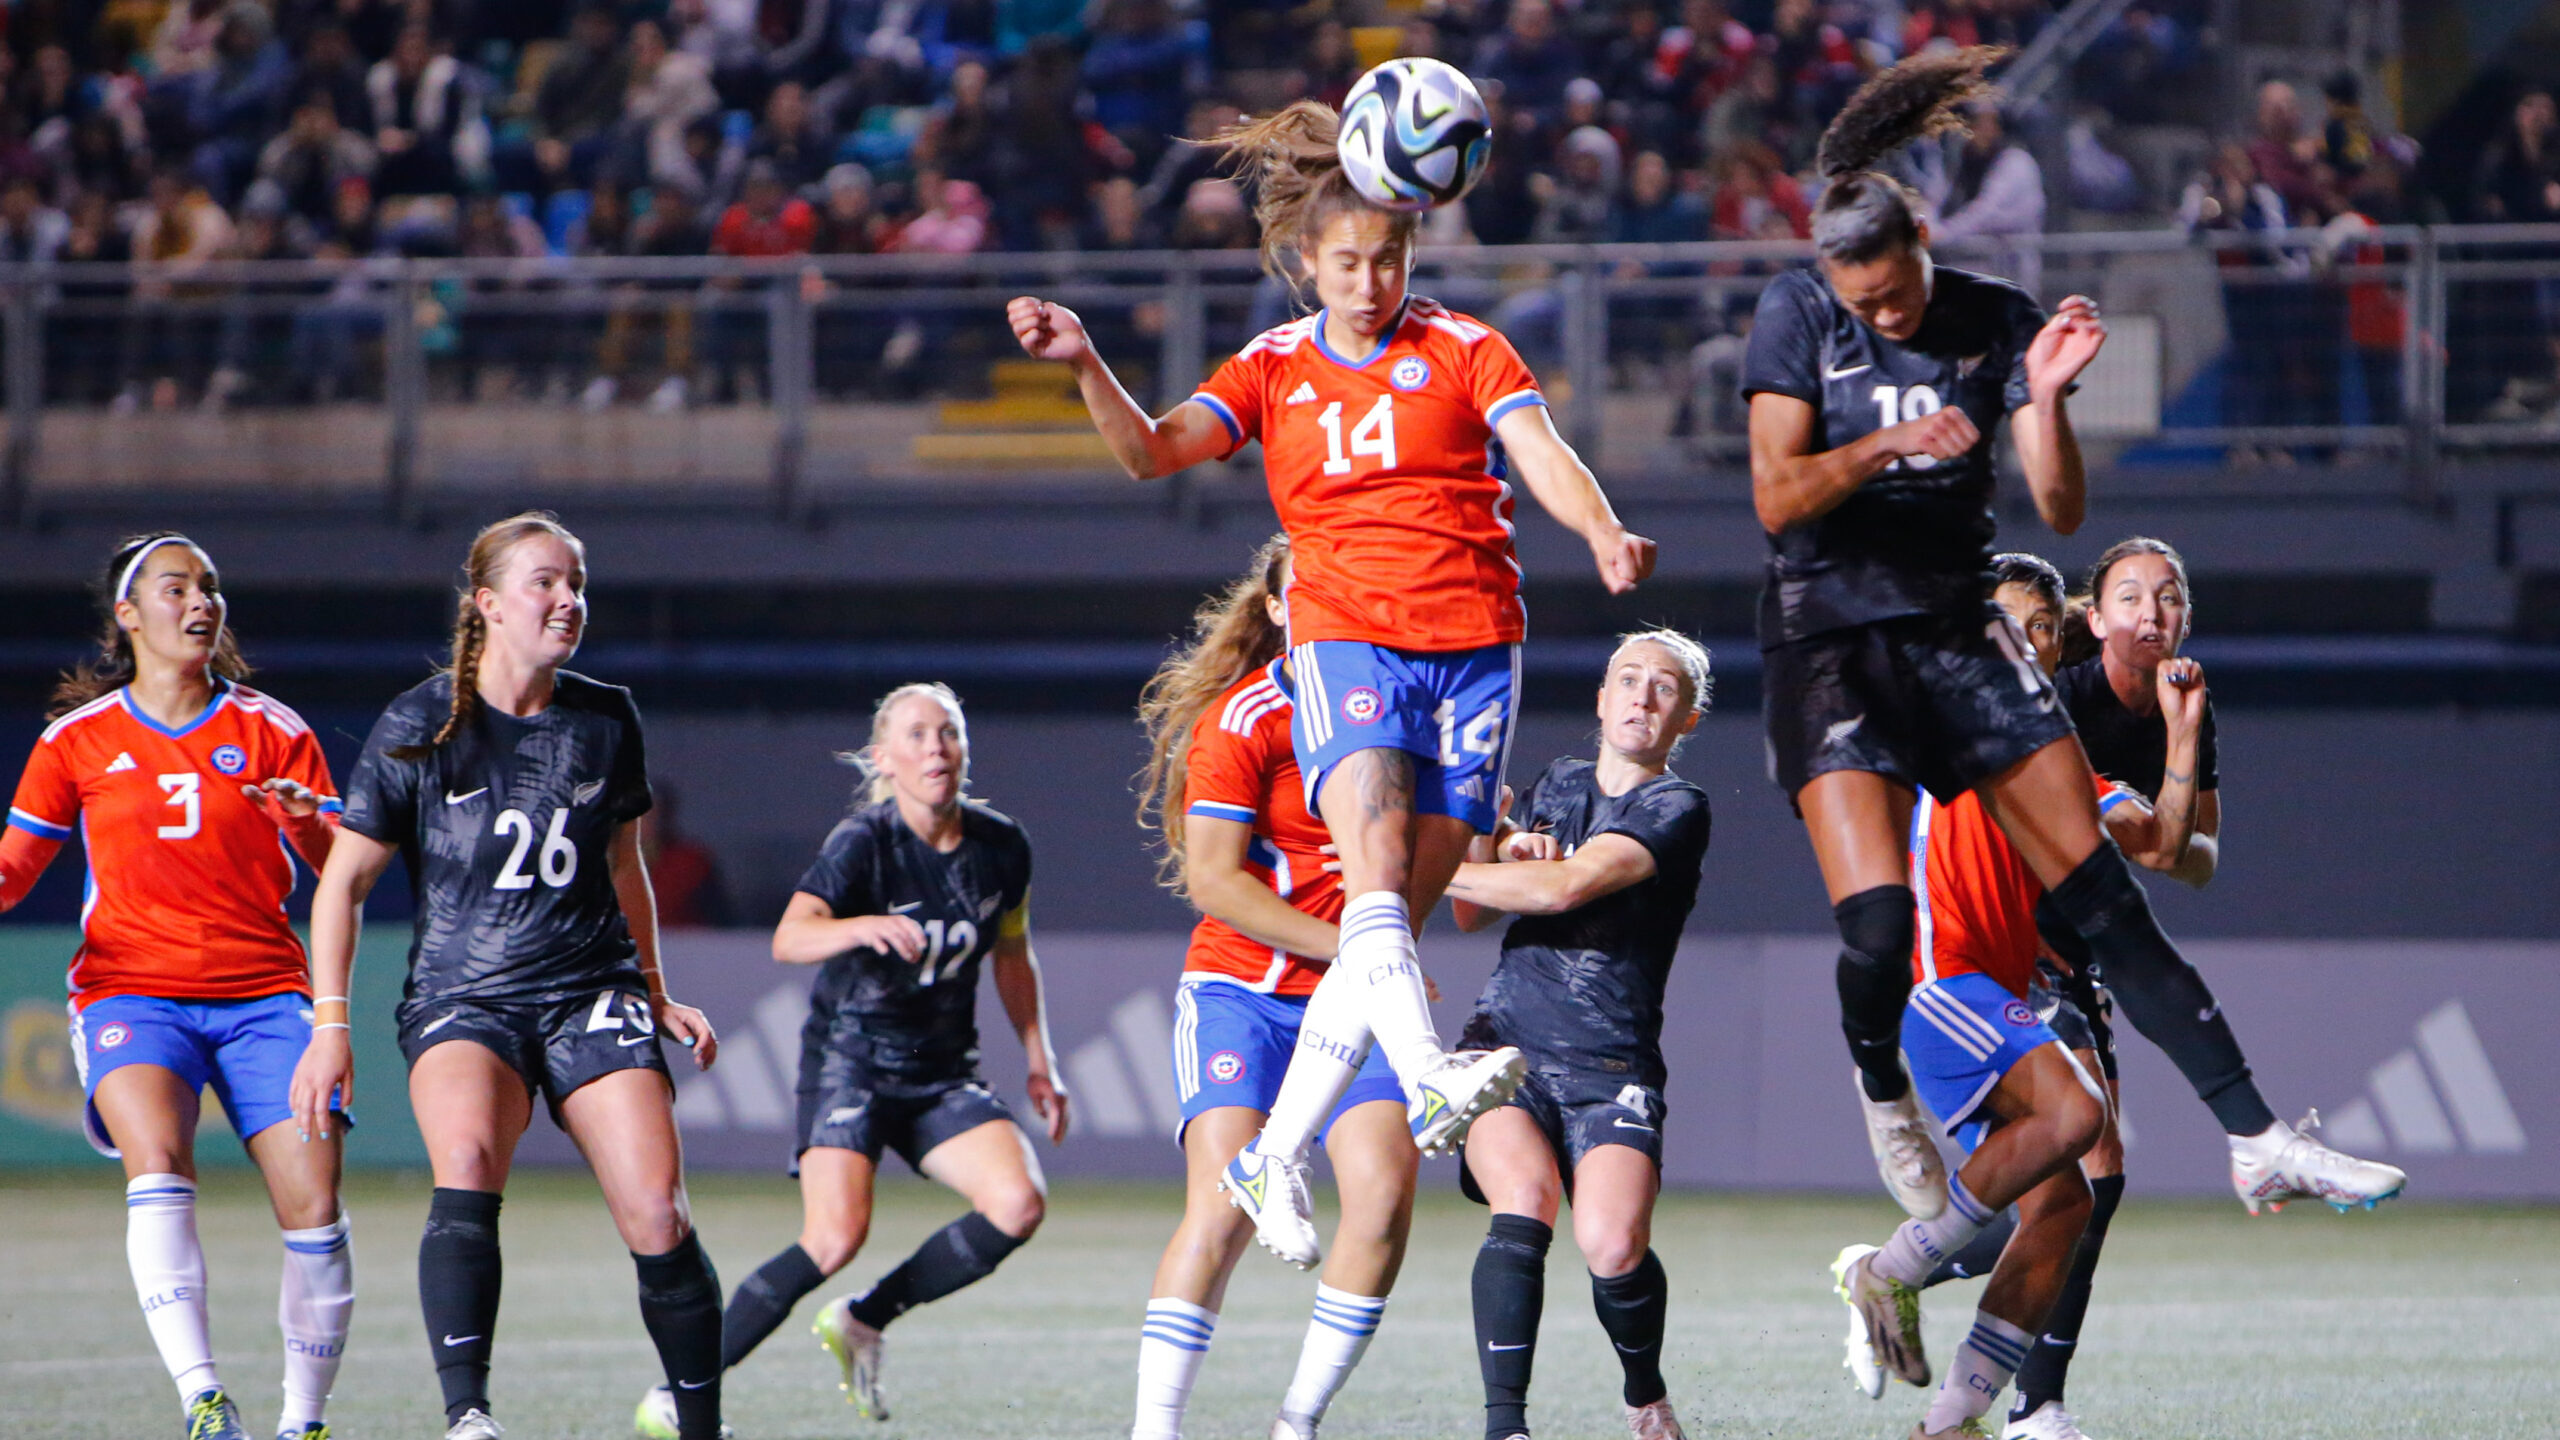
1697, 667
875, 785
480, 571
1298, 181
1231, 637
113, 667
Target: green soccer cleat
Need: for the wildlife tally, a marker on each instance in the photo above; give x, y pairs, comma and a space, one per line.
856, 1347
656, 1417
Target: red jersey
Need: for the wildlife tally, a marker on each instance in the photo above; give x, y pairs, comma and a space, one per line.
1242, 767
1387, 477
1977, 896
187, 877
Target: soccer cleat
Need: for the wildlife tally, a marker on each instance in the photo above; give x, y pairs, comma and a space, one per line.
316, 1430
1274, 1192
1865, 1371
1292, 1427
656, 1418
2049, 1422
1906, 1154
1654, 1422
475, 1425
856, 1347
1889, 1309
2285, 1163
1448, 1100
212, 1416
1963, 1430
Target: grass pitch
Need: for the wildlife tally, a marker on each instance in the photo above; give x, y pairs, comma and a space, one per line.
2414, 1321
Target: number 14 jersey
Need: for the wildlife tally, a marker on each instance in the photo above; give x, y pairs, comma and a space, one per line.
1386, 474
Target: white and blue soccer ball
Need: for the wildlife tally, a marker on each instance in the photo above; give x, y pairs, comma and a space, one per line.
1415, 134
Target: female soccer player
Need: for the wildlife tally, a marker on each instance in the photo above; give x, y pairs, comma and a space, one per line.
179, 778
513, 791
1223, 783
1602, 871
1876, 383
1388, 425
908, 896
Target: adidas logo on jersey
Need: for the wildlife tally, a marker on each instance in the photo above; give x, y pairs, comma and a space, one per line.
123, 761
1305, 394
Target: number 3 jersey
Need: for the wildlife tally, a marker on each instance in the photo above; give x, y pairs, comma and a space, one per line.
1915, 539
187, 876
914, 1022
507, 831
1386, 474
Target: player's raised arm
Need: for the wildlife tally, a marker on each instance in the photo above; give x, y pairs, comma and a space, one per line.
2047, 449
1146, 448
1567, 490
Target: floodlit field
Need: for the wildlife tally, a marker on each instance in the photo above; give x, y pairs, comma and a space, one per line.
2414, 1321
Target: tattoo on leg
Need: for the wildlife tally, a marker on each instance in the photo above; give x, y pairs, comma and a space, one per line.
1386, 785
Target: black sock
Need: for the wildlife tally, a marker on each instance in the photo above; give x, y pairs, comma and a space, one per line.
2160, 992
1510, 1292
1876, 931
458, 1274
764, 1301
1979, 1254
959, 1254
2049, 1359
1631, 1309
680, 1305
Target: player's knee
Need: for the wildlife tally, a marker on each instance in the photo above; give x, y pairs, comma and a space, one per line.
831, 1245
1017, 1210
1612, 1251
2078, 1119
1877, 930
654, 1224
469, 1165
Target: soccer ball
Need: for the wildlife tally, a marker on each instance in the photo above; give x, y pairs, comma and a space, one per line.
1414, 134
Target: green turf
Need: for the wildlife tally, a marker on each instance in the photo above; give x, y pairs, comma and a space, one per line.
2414, 1321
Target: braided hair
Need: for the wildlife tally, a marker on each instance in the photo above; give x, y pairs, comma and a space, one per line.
488, 560
1865, 214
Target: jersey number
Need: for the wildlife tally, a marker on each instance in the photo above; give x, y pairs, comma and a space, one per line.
1896, 404
1374, 435
948, 948
183, 793
635, 1011
1483, 735
559, 860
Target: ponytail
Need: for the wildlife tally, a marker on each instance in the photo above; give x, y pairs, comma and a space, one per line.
1865, 214
1298, 182
1231, 637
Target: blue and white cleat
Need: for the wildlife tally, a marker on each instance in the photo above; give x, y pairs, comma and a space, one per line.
2285, 1163
316, 1430
1448, 1100
857, 1350
212, 1416
1274, 1192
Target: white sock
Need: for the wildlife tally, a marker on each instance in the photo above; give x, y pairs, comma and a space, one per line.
1919, 1245
318, 1301
1336, 1338
1171, 1346
168, 1276
1333, 1041
1377, 950
1983, 1365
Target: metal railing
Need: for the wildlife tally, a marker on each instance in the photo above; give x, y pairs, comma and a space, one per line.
2270, 362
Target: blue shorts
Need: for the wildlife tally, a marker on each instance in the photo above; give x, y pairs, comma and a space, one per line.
1231, 1046
245, 1049
1452, 712
1960, 1035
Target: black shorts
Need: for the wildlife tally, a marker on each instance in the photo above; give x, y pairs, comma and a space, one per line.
1934, 702
2080, 1013
843, 1106
1579, 1111
556, 1046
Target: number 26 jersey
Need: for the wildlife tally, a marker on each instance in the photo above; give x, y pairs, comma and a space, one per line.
507, 831
1386, 474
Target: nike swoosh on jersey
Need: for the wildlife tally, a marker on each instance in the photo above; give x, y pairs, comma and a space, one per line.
439, 1023
903, 909
464, 799
1830, 374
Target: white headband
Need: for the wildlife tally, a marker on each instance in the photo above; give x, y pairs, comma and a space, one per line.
124, 582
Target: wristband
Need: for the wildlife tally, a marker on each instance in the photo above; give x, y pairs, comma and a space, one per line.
330, 1025
328, 999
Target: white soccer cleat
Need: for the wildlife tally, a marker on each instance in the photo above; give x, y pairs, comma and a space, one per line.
1292, 1427
656, 1417
1274, 1192
1654, 1422
2049, 1422
856, 1348
475, 1425
1889, 1309
1906, 1154
1448, 1100
2287, 1164
1865, 1371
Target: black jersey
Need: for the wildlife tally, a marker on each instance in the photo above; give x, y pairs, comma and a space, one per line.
507, 831
1916, 538
914, 1021
2124, 747
1583, 990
